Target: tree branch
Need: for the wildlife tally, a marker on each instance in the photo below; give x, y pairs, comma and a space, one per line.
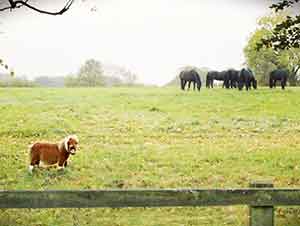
281, 5
20, 3
5, 8
285, 35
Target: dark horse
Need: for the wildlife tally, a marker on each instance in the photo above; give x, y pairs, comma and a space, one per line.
190, 76
216, 75
233, 77
246, 78
278, 75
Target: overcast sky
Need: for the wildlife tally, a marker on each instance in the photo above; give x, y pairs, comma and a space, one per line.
152, 38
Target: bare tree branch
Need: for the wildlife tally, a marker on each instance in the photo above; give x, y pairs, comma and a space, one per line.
20, 3
5, 8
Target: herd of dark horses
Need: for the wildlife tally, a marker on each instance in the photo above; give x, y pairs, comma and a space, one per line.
231, 78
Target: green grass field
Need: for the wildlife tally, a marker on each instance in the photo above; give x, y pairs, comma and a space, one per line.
151, 138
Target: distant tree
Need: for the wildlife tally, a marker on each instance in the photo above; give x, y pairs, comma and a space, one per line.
128, 77
7, 81
119, 75
264, 60
286, 33
90, 74
110, 81
15, 4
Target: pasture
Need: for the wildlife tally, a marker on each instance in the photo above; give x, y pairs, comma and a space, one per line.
151, 138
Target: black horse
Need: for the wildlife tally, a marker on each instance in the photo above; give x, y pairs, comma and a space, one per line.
246, 78
278, 75
233, 77
190, 76
216, 75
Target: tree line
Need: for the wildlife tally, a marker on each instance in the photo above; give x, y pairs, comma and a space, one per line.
90, 74
274, 44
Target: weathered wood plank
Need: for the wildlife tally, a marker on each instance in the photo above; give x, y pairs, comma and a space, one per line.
148, 198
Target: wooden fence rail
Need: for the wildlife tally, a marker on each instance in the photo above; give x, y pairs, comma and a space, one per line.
261, 198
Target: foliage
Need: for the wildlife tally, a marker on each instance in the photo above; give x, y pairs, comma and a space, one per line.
264, 60
286, 34
128, 78
47, 81
90, 74
17, 82
110, 81
151, 138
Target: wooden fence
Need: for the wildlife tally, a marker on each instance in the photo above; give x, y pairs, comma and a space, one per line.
261, 198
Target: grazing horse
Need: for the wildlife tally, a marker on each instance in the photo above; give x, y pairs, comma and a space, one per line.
233, 76
216, 75
190, 76
278, 75
246, 78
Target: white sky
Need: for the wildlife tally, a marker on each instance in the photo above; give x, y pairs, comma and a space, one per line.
152, 38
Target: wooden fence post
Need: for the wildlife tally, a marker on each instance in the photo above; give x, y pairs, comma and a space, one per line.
261, 215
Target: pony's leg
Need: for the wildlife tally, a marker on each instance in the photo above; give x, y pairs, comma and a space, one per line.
270, 83
282, 84
194, 83
233, 85
240, 85
207, 83
184, 83
228, 84
189, 85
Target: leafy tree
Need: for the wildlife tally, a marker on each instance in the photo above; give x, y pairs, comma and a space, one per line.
90, 74
114, 76
286, 34
7, 81
128, 78
264, 60
119, 75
